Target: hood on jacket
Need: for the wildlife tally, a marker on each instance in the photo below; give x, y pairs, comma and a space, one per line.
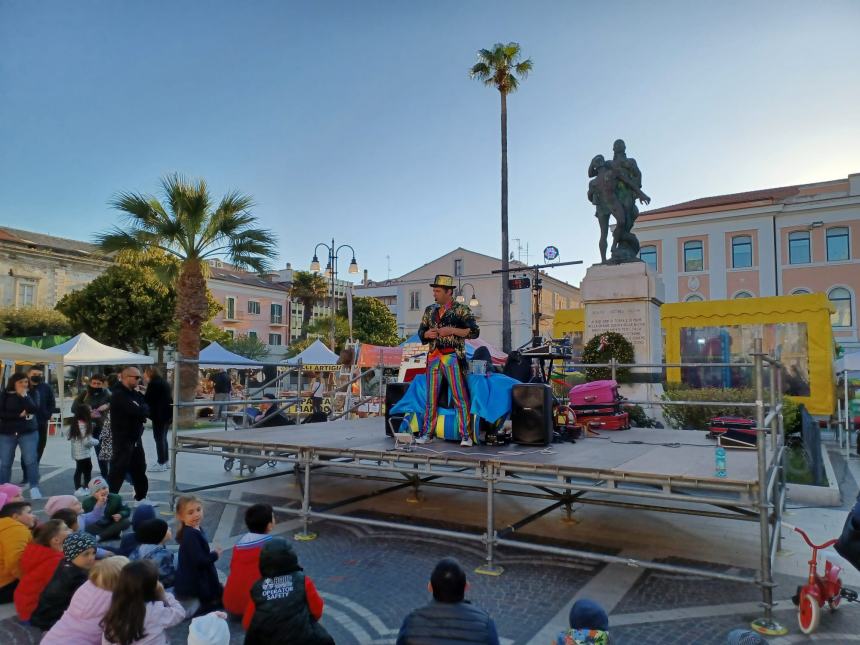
278, 558
36, 555
89, 602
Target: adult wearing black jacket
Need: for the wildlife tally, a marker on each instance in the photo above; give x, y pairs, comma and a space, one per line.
46, 405
160, 401
449, 618
128, 413
18, 429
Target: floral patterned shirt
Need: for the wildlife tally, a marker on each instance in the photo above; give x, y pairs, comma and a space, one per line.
454, 314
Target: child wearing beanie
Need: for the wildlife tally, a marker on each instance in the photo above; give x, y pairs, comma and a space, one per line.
10, 493
59, 502
129, 542
152, 536
105, 514
79, 556
209, 629
589, 625
80, 622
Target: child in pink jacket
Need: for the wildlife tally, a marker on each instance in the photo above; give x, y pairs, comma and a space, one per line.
141, 610
80, 622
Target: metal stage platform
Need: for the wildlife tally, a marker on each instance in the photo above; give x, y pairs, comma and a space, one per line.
643, 469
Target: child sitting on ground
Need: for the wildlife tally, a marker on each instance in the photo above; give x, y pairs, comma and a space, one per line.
196, 576
140, 608
106, 515
589, 625
245, 565
80, 624
38, 563
284, 601
153, 535
10, 493
80, 436
16, 520
79, 556
129, 542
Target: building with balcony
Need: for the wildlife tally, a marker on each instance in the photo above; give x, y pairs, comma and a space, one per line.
37, 270
252, 305
408, 295
779, 241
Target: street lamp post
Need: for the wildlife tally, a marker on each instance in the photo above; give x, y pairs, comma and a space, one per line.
331, 272
473, 301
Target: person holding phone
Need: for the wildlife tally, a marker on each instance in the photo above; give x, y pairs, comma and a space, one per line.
19, 428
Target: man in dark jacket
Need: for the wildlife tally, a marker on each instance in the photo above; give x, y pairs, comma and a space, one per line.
221, 388
285, 606
449, 618
272, 415
160, 401
128, 413
97, 396
46, 405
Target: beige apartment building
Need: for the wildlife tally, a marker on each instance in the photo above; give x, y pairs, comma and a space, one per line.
777, 241
37, 270
408, 295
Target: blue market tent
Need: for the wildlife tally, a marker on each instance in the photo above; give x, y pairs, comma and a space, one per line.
215, 355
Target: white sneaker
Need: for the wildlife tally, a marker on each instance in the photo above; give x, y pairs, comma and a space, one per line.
466, 442
146, 500
156, 468
35, 493
82, 492
427, 438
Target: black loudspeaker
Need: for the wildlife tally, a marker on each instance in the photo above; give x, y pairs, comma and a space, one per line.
393, 393
531, 414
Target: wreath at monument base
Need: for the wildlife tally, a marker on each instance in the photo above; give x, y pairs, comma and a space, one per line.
601, 349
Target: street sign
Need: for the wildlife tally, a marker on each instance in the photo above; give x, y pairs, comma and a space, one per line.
550, 253
519, 283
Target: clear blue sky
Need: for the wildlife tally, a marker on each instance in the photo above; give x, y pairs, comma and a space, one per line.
358, 119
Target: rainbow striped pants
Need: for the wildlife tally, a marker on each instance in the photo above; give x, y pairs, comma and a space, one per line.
447, 366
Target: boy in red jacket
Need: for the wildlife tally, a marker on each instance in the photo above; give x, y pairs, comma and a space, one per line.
245, 565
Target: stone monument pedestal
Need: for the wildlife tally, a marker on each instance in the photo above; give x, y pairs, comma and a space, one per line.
626, 298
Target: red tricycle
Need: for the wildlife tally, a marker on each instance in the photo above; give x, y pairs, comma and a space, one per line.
819, 589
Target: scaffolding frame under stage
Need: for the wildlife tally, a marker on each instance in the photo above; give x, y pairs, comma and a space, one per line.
758, 497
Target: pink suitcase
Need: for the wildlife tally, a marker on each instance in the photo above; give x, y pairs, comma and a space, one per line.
595, 394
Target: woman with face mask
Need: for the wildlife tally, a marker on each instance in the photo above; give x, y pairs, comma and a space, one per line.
97, 396
18, 430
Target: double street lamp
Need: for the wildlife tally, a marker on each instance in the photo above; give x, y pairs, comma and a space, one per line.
331, 273
473, 301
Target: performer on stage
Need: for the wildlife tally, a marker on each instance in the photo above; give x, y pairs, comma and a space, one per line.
445, 326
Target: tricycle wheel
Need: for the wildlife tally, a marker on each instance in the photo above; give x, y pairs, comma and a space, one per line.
228, 465
252, 469
808, 613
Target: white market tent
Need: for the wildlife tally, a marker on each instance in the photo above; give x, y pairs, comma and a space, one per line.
84, 350
315, 357
217, 356
17, 353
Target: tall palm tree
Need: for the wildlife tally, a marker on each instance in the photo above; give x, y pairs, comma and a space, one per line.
501, 67
187, 225
309, 288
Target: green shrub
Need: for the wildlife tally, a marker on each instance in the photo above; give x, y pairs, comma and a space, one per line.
638, 418
696, 417
604, 347
791, 421
33, 321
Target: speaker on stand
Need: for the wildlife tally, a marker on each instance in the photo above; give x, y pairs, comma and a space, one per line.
393, 393
531, 414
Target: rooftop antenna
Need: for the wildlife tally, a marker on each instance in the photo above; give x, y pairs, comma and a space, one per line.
388, 261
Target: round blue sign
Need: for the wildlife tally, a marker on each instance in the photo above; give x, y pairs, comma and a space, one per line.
550, 253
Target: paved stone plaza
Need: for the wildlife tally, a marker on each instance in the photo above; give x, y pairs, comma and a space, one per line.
371, 578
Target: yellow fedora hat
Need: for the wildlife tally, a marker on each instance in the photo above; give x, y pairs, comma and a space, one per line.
443, 280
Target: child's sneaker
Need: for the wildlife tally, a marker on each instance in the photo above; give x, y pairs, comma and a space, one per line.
427, 438
82, 492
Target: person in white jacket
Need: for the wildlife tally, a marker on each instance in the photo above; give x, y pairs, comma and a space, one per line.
79, 624
141, 610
